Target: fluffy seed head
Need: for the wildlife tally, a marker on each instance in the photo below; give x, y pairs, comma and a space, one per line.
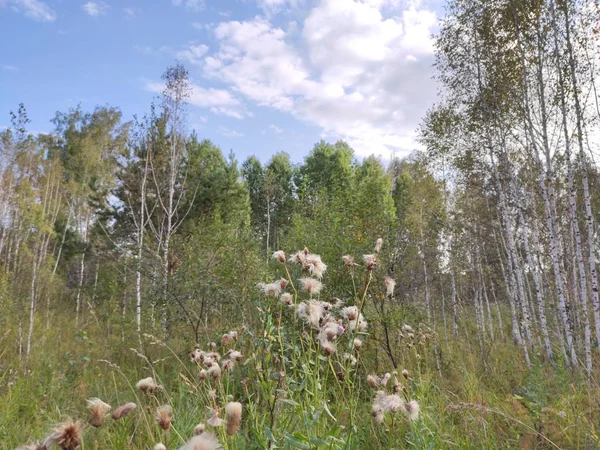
407, 328
350, 313
160, 446
314, 265
412, 409
372, 380
67, 435
336, 302
163, 416
311, 312
311, 285
199, 429
390, 284
204, 441
214, 371
233, 411
35, 446
378, 245
279, 255
98, 411
148, 385
370, 261
203, 374
405, 374
357, 343
298, 258
349, 261
286, 299
215, 420
271, 289
123, 410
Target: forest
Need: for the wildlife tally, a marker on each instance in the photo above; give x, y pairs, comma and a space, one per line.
158, 293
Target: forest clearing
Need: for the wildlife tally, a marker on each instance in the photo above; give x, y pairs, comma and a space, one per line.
157, 293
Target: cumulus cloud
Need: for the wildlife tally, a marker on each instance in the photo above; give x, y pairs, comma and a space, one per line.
356, 70
95, 8
130, 13
218, 101
275, 129
9, 67
193, 53
34, 9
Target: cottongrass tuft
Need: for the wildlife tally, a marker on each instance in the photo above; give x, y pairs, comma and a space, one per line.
148, 385
311, 285
411, 409
199, 429
160, 446
163, 416
123, 410
233, 411
204, 441
98, 411
390, 284
67, 435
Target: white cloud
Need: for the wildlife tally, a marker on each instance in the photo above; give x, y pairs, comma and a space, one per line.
356, 71
275, 129
34, 9
275, 6
218, 101
193, 53
227, 132
95, 8
194, 5
9, 67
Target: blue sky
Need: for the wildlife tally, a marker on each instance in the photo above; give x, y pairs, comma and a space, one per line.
269, 75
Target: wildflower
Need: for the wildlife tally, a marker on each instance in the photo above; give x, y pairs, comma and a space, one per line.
311, 285
197, 356
378, 245
148, 385
235, 355
405, 374
350, 313
67, 435
160, 446
204, 441
212, 345
384, 380
357, 343
163, 416
214, 371
330, 331
286, 299
298, 258
98, 411
350, 358
336, 302
349, 261
203, 374
228, 364
311, 312
199, 429
390, 284
407, 328
372, 381
328, 347
389, 403
370, 261
271, 289
229, 338
279, 255
215, 420
411, 409
314, 265
123, 410
233, 411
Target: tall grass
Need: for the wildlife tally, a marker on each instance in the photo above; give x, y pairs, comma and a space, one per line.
302, 383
